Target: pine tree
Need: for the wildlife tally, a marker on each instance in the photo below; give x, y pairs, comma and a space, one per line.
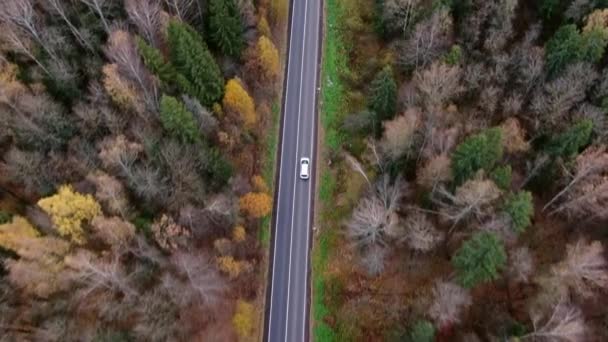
519, 208
383, 97
568, 143
225, 27
177, 120
479, 151
154, 60
422, 331
479, 259
200, 75
502, 175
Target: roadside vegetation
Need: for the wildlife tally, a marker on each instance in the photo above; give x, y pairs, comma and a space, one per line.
463, 178
137, 143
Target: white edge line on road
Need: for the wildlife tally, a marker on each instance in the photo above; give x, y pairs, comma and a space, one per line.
274, 255
293, 206
312, 150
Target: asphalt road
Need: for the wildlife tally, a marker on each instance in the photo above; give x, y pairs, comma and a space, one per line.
288, 303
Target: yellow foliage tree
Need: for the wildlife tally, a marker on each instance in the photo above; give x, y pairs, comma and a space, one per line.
68, 211
279, 10
243, 318
239, 234
13, 233
263, 26
121, 92
256, 204
237, 100
259, 184
597, 20
268, 58
10, 87
231, 267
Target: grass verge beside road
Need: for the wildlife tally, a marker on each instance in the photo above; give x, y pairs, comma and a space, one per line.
333, 98
270, 160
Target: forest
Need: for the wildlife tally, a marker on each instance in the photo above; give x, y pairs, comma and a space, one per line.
136, 167
464, 183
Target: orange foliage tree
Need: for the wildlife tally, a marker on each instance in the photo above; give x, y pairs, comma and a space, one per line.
256, 204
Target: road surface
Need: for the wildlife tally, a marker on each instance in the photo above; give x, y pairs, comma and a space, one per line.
288, 302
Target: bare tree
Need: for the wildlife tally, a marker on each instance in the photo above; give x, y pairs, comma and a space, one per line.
24, 168
145, 14
564, 324
437, 84
356, 166
473, 199
450, 301
58, 7
99, 7
374, 259
430, 39
500, 25
559, 96
436, 170
521, 265
121, 50
113, 231
584, 268
420, 233
207, 123
21, 15
204, 284
18, 42
587, 193
399, 134
399, 14
185, 10
111, 193
373, 217
247, 12
578, 9
100, 273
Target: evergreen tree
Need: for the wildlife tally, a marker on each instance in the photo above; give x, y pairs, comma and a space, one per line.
422, 331
200, 75
383, 97
480, 151
177, 120
225, 27
479, 259
568, 45
502, 176
568, 143
154, 60
519, 208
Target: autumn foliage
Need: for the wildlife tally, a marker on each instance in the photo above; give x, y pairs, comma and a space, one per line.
69, 210
256, 204
238, 101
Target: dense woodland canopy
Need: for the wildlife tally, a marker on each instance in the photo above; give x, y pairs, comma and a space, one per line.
132, 142
466, 197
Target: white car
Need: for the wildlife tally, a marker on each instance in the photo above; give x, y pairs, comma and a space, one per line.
304, 168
